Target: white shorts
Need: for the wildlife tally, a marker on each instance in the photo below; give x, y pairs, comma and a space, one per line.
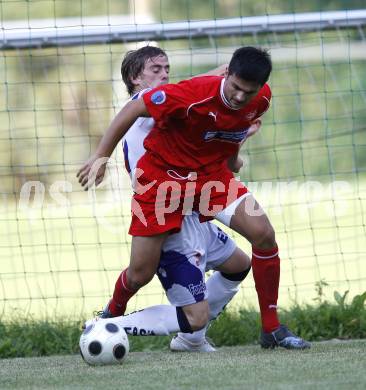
187, 255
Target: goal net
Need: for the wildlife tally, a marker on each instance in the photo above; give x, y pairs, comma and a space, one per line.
61, 249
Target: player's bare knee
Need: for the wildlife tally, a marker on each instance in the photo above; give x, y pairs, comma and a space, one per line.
247, 263
265, 237
244, 261
238, 262
138, 279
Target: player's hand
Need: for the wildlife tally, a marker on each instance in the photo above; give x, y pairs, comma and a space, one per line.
221, 70
92, 171
254, 127
235, 163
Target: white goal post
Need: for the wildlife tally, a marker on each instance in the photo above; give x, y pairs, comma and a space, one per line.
36, 34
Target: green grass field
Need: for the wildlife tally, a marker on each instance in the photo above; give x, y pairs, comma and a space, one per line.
327, 365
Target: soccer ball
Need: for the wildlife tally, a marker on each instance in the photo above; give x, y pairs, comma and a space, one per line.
104, 342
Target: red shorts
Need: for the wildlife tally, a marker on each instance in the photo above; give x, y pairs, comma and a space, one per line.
163, 196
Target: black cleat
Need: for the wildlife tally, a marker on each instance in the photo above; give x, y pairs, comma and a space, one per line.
282, 337
105, 313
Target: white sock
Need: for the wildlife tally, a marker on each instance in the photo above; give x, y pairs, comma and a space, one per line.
196, 337
220, 291
160, 320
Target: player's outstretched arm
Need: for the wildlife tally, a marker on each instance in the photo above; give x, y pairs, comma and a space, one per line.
93, 169
219, 71
235, 162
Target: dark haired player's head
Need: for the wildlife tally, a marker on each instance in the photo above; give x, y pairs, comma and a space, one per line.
251, 64
134, 62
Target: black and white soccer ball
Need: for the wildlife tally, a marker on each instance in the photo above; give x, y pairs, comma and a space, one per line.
104, 342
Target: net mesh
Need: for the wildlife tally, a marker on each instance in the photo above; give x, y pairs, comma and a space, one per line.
62, 249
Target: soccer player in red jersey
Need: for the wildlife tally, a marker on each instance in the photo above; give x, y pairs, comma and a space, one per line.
199, 124
185, 255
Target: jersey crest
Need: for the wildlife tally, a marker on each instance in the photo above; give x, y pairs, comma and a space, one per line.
158, 97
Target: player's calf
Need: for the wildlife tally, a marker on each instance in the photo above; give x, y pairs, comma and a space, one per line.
145, 256
197, 315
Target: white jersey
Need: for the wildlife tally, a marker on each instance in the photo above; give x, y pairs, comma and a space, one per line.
186, 255
133, 141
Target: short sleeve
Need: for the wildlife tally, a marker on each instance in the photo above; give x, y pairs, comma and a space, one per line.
169, 100
265, 100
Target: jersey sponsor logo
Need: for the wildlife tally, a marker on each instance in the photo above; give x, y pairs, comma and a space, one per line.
158, 97
228, 136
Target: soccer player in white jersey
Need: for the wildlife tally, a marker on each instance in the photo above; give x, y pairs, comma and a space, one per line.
186, 255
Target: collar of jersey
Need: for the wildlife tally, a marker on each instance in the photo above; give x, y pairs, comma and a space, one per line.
223, 98
138, 94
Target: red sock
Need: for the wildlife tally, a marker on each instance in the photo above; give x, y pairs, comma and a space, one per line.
266, 272
121, 295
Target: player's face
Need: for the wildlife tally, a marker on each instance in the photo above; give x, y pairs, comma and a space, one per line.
155, 73
239, 92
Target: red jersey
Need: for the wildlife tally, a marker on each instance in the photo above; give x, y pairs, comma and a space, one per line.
195, 128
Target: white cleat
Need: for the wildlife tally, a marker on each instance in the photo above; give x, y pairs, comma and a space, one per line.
180, 344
